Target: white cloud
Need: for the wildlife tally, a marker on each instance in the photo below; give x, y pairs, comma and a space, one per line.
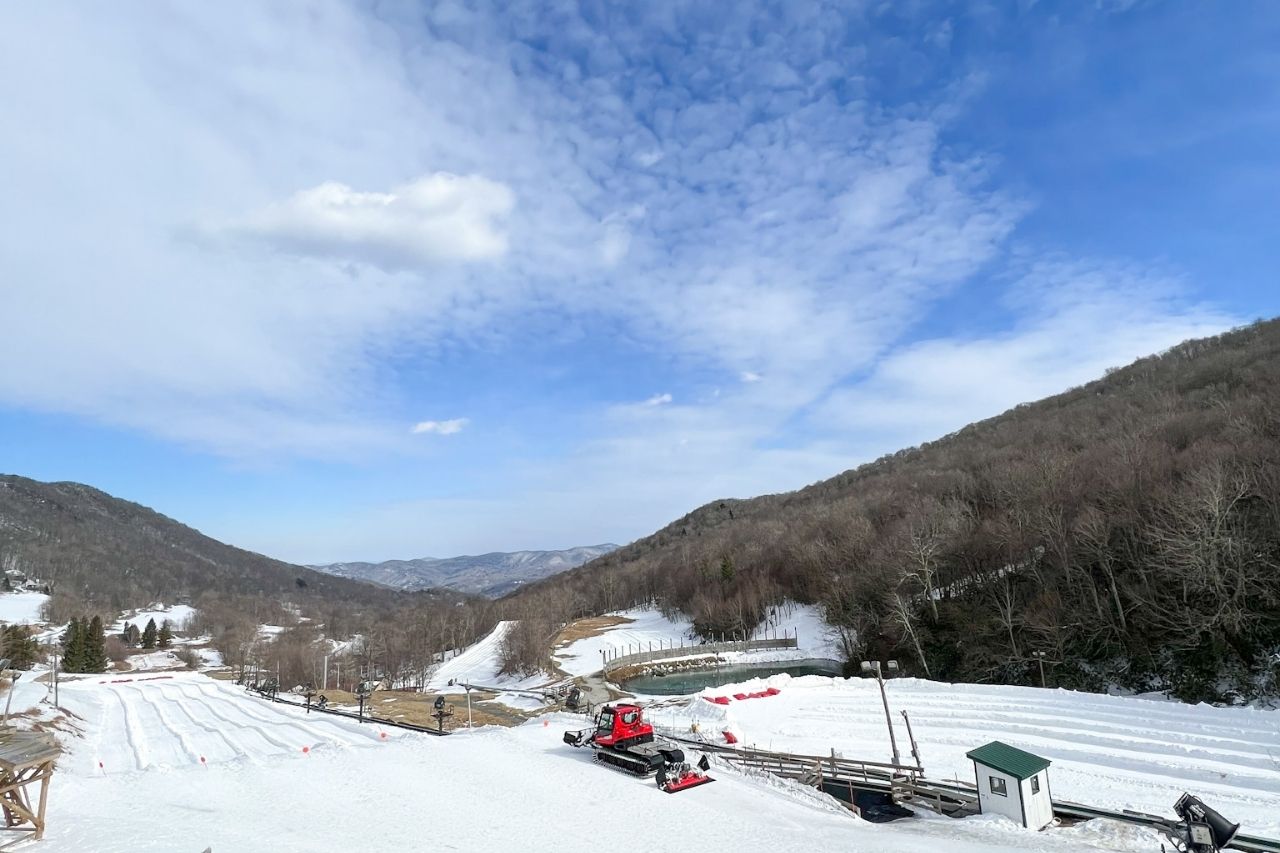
432, 192
449, 427
1076, 320
436, 218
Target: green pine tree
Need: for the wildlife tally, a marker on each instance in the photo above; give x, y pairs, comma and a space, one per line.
726, 569
73, 646
149, 635
20, 646
165, 637
95, 647
134, 635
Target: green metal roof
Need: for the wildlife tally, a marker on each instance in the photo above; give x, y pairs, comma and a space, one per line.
1008, 759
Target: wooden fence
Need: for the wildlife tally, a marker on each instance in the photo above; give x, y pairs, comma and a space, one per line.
638, 653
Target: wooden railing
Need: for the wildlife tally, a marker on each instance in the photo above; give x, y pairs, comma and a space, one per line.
618, 658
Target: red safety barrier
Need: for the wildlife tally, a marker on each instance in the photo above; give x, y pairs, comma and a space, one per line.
724, 700
729, 737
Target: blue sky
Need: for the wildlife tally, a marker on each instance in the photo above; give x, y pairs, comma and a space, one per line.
373, 280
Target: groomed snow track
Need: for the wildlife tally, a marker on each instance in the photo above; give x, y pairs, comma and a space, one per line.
877, 776
175, 721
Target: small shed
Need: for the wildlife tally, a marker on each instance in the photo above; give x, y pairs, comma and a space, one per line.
1013, 783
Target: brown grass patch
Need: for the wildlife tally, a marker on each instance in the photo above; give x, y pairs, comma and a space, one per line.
592, 626
419, 708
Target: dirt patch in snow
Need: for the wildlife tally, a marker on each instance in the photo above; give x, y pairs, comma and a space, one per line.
592, 626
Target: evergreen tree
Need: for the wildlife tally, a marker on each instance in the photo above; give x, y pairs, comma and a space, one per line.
165, 637
149, 635
73, 646
134, 635
95, 647
20, 646
726, 569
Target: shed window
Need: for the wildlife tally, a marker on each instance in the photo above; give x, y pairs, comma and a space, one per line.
997, 786
1035, 784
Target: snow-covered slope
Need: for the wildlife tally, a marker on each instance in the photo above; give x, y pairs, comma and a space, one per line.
178, 615
479, 664
182, 720
493, 789
492, 575
22, 608
644, 628
1110, 751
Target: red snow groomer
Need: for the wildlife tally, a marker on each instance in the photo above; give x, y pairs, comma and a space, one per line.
624, 741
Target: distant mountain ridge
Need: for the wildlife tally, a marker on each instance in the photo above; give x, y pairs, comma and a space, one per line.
492, 575
101, 553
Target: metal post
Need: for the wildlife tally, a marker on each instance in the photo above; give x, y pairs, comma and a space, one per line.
915, 748
467, 687
1040, 660
324, 682
888, 718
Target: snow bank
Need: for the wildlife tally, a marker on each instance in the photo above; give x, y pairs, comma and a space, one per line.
21, 608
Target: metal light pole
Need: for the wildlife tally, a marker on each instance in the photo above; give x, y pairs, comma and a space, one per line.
873, 667
467, 687
1039, 656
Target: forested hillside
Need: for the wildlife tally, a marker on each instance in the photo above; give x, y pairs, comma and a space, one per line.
1129, 530
100, 555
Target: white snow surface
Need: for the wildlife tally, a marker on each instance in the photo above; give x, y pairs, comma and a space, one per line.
21, 608
178, 615
134, 782
1107, 751
650, 628
582, 657
151, 660
479, 664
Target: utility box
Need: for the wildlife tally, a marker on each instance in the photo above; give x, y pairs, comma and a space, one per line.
1013, 783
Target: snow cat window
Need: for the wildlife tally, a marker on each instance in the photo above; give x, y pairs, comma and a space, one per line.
630, 717
606, 722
